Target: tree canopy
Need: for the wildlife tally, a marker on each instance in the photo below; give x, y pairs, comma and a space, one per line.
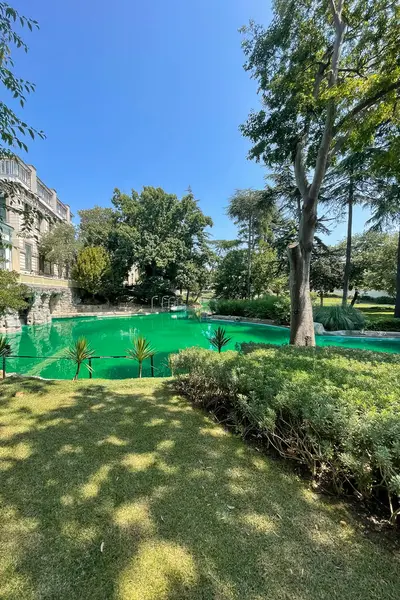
91, 268
59, 246
164, 237
328, 76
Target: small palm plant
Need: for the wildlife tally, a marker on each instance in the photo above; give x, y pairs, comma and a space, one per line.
4, 345
141, 351
219, 339
78, 352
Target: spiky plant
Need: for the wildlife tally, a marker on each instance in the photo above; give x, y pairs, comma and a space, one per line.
141, 351
79, 352
4, 345
336, 318
219, 339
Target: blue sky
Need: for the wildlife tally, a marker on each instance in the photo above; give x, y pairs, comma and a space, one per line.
143, 92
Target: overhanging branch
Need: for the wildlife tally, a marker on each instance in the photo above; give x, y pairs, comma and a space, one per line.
367, 103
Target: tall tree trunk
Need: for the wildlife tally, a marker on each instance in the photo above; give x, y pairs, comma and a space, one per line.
187, 296
249, 248
321, 298
397, 305
298, 203
301, 319
347, 267
301, 312
355, 297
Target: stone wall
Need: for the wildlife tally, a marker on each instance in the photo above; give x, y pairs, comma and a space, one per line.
10, 322
45, 303
64, 301
50, 302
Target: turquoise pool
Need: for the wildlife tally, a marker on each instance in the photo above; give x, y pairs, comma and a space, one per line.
109, 336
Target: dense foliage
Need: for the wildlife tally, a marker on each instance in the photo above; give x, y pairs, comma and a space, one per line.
91, 268
11, 126
59, 246
338, 318
333, 410
276, 308
163, 236
13, 295
384, 324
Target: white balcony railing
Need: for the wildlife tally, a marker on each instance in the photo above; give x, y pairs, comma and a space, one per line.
61, 210
13, 169
43, 192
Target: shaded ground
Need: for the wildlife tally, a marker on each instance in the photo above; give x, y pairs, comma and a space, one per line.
120, 490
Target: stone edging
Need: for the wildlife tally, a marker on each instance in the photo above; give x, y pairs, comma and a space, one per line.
350, 333
111, 313
234, 319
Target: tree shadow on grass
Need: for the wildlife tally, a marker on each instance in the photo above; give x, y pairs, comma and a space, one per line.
123, 491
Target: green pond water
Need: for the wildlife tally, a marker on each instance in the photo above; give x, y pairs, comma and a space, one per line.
166, 332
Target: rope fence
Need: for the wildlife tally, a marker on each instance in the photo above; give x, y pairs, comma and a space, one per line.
88, 361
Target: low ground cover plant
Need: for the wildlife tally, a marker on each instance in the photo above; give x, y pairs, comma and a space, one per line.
335, 411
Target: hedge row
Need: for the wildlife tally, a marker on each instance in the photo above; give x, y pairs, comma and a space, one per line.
384, 324
276, 308
334, 410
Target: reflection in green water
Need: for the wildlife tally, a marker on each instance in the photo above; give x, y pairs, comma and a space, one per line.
167, 333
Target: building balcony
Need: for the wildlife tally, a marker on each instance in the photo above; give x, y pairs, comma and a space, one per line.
43, 192
14, 170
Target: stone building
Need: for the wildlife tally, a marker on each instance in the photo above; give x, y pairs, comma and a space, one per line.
30, 201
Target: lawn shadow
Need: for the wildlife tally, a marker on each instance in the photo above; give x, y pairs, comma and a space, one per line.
122, 491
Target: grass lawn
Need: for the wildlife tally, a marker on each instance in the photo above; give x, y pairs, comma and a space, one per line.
372, 311
119, 490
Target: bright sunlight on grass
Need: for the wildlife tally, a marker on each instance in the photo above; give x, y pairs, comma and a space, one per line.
120, 490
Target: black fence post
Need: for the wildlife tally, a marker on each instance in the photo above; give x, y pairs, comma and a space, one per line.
90, 368
4, 366
152, 365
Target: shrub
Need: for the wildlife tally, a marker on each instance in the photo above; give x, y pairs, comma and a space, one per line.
378, 300
13, 295
92, 265
384, 324
336, 318
268, 307
336, 411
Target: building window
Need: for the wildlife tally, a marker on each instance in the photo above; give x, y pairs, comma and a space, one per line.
5, 256
3, 210
5, 248
61, 210
28, 257
40, 223
45, 267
